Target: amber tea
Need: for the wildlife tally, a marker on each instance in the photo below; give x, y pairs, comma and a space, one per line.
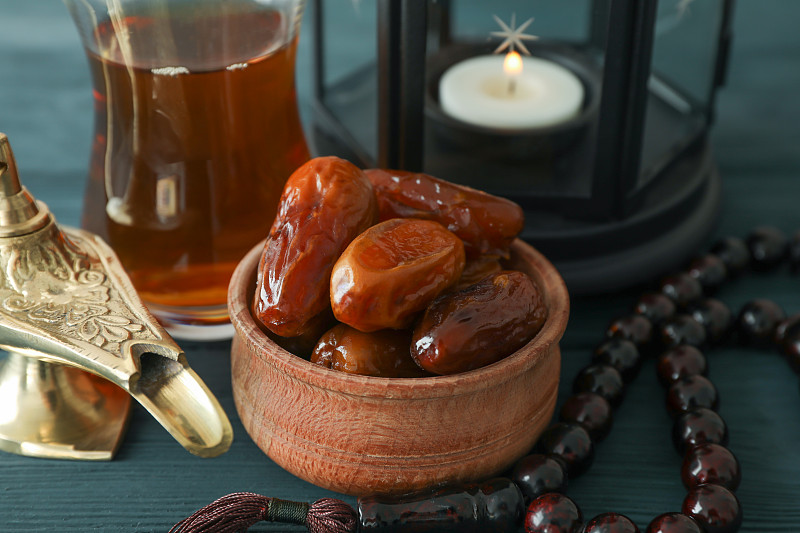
196, 132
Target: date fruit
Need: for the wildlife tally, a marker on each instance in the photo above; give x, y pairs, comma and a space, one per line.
479, 325
476, 269
385, 353
325, 204
487, 224
303, 345
392, 271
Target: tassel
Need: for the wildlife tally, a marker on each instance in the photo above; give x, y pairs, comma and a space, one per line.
329, 515
237, 512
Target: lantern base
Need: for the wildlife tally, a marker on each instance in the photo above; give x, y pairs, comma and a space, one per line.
596, 257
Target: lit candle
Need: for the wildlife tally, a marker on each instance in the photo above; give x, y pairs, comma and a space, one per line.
510, 92
512, 66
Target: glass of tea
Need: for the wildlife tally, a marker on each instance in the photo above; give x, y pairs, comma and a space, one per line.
196, 131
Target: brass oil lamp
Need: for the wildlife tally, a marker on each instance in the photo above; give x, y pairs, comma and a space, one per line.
81, 343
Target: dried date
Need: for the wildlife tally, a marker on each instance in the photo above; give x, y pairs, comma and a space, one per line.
303, 345
487, 224
476, 269
325, 204
385, 353
392, 271
479, 325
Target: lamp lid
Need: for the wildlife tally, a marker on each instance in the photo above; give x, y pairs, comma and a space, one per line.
20, 213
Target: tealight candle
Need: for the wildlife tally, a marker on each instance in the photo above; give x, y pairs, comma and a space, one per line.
528, 93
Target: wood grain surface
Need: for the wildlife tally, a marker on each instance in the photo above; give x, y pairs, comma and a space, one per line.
45, 107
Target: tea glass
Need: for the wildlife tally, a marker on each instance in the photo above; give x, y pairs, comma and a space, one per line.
196, 131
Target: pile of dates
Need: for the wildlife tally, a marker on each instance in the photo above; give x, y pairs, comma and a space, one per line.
393, 273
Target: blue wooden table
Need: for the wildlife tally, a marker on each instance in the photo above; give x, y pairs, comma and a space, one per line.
45, 108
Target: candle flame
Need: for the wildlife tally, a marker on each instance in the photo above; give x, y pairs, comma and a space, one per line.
512, 65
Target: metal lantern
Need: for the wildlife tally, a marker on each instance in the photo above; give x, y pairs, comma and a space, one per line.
622, 188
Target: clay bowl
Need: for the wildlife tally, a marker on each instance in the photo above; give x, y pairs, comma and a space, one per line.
361, 435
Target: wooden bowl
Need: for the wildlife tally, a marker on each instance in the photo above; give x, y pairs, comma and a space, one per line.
361, 435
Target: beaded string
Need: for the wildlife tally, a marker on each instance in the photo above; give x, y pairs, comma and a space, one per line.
680, 318
684, 322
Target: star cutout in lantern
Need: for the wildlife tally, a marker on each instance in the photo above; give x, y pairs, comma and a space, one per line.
513, 36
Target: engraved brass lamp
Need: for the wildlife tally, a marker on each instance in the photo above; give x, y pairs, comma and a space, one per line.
81, 343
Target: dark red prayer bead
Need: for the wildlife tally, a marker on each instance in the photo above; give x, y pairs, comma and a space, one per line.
621, 354
710, 463
591, 411
734, 253
792, 352
680, 362
673, 523
655, 306
553, 513
714, 316
715, 508
768, 247
709, 271
788, 329
610, 523
757, 322
698, 427
538, 474
570, 444
691, 392
682, 288
682, 329
794, 253
604, 380
636, 328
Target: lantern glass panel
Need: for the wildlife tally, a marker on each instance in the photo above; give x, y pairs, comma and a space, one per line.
349, 76
681, 82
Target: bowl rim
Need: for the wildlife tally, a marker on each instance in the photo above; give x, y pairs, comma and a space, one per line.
247, 331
